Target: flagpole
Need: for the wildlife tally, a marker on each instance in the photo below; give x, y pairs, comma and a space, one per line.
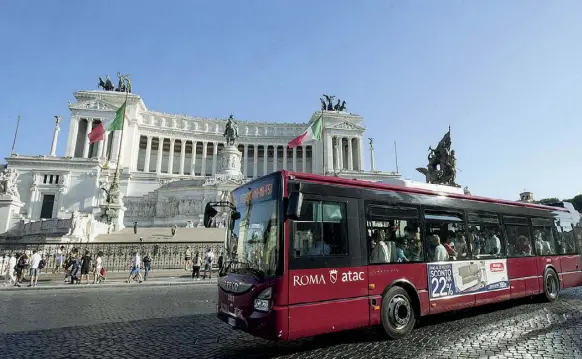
15, 134
323, 142
121, 137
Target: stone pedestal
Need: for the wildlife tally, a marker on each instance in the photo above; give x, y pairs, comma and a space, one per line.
9, 212
116, 213
229, 162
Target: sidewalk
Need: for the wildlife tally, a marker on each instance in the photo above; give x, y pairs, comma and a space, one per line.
114, 279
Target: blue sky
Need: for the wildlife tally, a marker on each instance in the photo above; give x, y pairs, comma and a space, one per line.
505, 75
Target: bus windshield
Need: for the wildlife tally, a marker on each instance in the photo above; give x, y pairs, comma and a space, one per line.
253, 244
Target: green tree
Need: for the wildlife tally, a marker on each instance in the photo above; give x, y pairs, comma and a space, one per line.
576, 202
548, 200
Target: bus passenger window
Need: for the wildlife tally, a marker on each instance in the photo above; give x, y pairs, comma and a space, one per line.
445, 236
544, 242
486, 236
518, 241
565, 239
321, 230
392, 239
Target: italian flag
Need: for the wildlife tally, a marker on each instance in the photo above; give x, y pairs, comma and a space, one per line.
313, 133
98, 132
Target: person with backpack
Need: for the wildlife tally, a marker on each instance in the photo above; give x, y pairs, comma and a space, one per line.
21, 265
147, 262
196, 266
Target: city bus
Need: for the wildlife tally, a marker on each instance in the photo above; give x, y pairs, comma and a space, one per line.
309, 254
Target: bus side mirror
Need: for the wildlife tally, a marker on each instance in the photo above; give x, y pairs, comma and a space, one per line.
233, 218
209, 213
294, 206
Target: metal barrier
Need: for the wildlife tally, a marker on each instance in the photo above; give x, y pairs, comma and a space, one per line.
117, 256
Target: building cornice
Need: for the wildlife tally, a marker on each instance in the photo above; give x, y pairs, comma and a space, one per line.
44, 162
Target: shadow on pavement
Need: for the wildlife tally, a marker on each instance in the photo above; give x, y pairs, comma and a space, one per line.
204, 336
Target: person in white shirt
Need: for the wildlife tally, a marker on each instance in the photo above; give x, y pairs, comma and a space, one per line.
98, 266
493, 244
208, 260
10, 272
440, 252
34, 270
135, 268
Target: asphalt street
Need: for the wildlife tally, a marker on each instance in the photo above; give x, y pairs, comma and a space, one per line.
179, 322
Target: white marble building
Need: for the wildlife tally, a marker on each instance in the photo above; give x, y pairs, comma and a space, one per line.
161, 148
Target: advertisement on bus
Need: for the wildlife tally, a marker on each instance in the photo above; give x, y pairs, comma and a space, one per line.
466, 277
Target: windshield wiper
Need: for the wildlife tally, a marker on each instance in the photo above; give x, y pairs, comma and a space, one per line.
248, 268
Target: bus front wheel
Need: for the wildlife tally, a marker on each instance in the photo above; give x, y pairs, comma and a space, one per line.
551, 285
398, 316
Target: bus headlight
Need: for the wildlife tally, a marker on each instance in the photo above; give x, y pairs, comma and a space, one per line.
263, 300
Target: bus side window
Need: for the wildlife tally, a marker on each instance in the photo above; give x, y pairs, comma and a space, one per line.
393, 235
487, 238
565, 238
545, 243
518, 241
321, 230
446, 238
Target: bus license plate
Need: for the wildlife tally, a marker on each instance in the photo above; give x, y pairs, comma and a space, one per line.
232, 322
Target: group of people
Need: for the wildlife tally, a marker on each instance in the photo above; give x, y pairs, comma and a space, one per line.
197, 262
14, 266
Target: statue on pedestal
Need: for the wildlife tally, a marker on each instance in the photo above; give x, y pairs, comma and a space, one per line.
340, 106
442, 163
106, 85
230, 131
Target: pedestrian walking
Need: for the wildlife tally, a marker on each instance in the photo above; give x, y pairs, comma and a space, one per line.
208, 260
21, 264
59, 256
134, 227
196, 266
187, 258
174, 230
11, 270
135, 268
35, 260
86, 265
97, 268
147, 262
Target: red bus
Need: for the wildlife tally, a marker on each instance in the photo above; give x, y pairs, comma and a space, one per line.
309, 254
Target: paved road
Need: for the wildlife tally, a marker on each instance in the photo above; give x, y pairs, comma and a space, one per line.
179, 322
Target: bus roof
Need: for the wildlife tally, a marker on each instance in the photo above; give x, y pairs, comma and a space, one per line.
409, 187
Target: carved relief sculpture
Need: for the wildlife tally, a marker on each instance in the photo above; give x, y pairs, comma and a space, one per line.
9, 183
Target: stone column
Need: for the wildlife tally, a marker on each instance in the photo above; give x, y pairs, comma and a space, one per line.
105, 145
193, 164
295, 159
265, 159
86, 139
73, 136
350, 155
214, 157
341, 153
304, 158
171, 159
160, 155
336, 153
361, 153
204, 154
148, 154
285, 148
372, 167
56, 136
245, 159
182, 156
275, 157
329, 154
255, 160
100, 147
